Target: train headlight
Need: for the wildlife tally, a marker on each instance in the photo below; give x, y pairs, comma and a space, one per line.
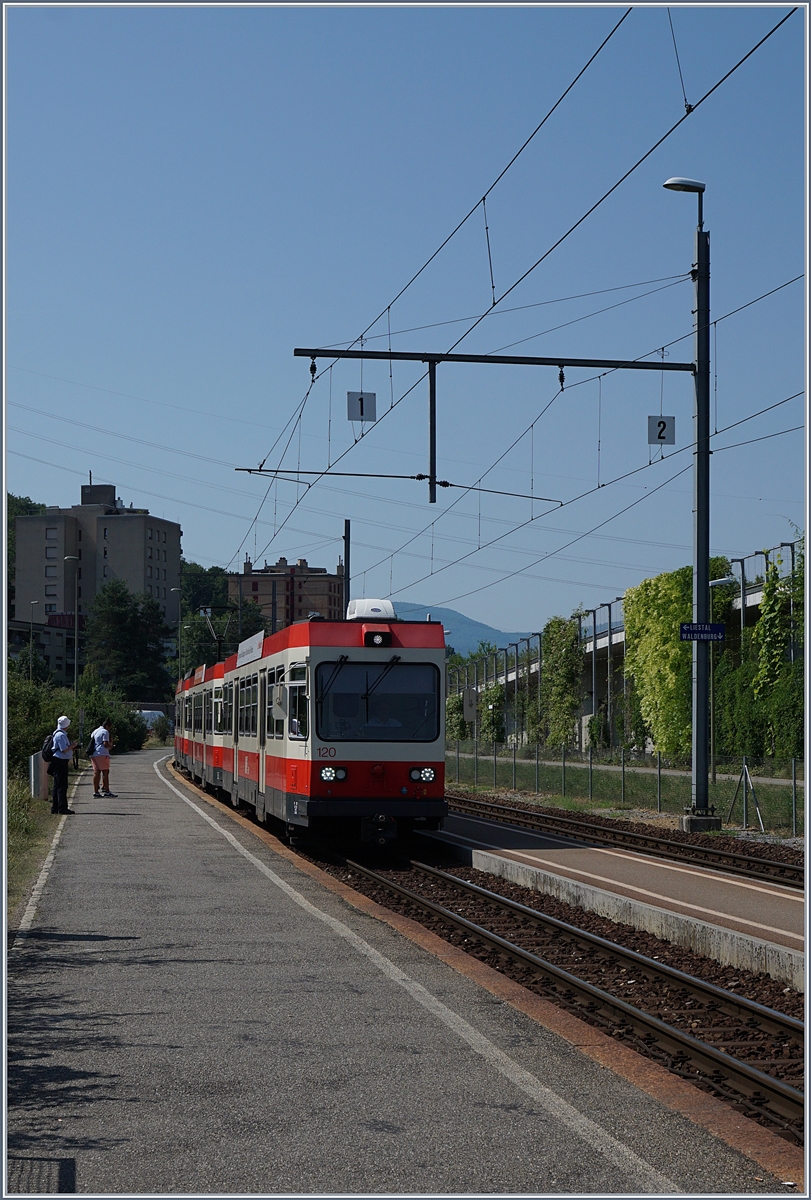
422, 774
330, 774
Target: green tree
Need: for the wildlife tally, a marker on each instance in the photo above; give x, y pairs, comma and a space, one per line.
202, 587
491, 714
125, 642
455, 724
561, 679
200, 646
30, 664
17, 506
655, 657
33, 710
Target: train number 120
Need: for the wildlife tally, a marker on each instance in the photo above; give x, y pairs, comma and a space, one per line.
326, 751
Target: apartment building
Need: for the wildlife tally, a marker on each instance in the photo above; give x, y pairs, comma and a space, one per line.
294, 589
65, 555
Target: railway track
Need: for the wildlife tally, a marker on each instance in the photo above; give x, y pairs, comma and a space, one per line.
747, 1054
750, 866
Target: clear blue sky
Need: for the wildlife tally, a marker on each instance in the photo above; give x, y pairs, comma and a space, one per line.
193, 192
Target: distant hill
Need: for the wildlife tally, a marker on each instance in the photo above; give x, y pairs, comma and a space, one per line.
464, 633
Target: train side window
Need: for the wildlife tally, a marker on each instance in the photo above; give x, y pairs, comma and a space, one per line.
280, 724
241, 707
218, 707
207, 711
298, 723
254, 705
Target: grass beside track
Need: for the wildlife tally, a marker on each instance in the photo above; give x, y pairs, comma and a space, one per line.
609, 791
31, 826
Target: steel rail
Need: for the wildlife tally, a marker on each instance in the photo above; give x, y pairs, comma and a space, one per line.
737, 1006
750, 865
762, 1091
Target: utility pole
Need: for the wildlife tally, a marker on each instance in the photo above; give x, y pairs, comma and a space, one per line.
31, 644
74, 558
347, 575
699, 817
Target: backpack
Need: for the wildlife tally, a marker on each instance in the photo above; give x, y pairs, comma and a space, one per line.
91, 748
47, 749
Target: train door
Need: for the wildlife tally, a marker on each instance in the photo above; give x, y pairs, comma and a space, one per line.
208, 729
262, 742
239, 701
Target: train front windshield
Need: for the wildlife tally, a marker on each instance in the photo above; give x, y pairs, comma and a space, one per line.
377, 702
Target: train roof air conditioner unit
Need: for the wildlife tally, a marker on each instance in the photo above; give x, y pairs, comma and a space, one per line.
370, 610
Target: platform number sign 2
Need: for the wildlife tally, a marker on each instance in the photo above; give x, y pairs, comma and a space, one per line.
661, 431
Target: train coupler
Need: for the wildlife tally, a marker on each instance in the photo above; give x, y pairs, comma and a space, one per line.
378, 829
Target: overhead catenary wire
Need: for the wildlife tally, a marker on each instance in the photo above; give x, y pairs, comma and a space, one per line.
593, 207
511, 309
687, 107
591, 491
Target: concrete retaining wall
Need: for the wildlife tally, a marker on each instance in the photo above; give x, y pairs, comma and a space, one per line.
712, 941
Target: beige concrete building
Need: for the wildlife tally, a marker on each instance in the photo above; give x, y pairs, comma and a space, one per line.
299, 590
106, 541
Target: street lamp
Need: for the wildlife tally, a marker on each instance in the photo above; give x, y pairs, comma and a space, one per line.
714, 583
75, 558
741, 561
179, 626
31, 644
701, 506
790, 547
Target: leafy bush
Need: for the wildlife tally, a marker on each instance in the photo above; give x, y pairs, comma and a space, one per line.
34, 708
160, 728
455, 723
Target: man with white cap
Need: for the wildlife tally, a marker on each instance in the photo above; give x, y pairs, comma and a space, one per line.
62, 753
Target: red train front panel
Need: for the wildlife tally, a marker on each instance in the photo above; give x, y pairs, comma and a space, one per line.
325, 722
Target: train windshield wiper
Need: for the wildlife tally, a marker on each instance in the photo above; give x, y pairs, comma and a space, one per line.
395, 658
341, 663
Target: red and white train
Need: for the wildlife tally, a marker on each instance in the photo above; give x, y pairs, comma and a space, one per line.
326, 725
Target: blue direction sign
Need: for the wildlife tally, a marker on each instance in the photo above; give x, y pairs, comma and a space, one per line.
702, 633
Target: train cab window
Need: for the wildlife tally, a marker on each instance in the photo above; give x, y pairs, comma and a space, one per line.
297, 718
207, 711
377, 702
218, 725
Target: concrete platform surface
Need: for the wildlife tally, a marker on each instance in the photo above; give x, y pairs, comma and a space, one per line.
760, 910
190, 1013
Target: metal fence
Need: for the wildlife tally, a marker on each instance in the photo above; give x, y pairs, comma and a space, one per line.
746, 792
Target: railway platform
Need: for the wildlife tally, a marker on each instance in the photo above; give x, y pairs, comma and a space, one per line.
191, 1010
745, 923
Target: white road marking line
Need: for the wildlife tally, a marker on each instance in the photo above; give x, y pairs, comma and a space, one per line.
31, 908
533, 860
611, 1149
631, 856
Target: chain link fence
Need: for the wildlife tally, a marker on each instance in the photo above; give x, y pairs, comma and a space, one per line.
744, 791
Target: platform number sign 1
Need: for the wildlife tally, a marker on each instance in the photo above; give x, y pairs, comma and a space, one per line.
661, 431
361, 406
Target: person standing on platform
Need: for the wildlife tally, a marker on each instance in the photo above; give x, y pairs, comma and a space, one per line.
102, 744
62, 748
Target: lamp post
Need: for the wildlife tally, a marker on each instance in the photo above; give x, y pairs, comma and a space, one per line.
701, 501
593, 724
790, 547
75, 558
31, 644
179, 627
714, 583
741, 561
